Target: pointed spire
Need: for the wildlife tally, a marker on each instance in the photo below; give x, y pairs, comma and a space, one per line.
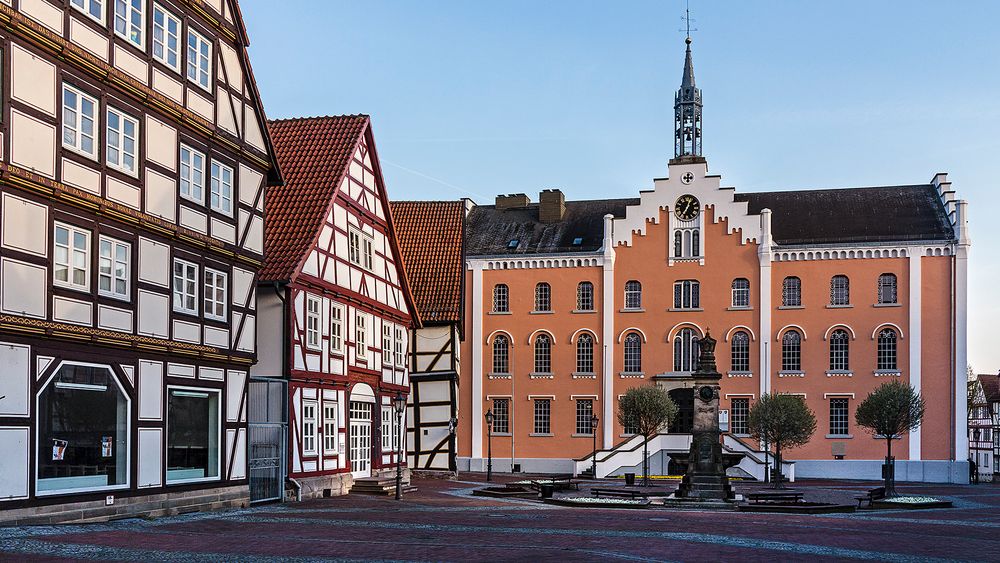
687, 81
687, 112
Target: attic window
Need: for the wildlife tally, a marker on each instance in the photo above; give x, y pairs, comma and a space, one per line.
513, 243
577, 241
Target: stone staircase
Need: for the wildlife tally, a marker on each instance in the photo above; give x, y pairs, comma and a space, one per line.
382, 486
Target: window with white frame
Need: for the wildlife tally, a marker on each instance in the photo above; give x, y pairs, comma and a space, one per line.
543, 416
887, 289
122, 145
887, 350
216, 294
501, 416
313, 317
791, 292
386, 344
221, 196
840, 290
739, 416
633, 295
359, 248
329, 427
93, 8
337, 328
686, 350
399, 342
739, 348
185, 287
584, 410
839, 350
687, 294
71, 260
367, 252
194, 427
687, 243
839, 417
309, 427
501, 298
501, 354
199, 60
113, 268
395, 433
791, 351
543, 297
741, 293
633, 353
585, 296
585, 354
192, 174
361, 336
130, 21
386, 429
166, 38
543, 354
79, 125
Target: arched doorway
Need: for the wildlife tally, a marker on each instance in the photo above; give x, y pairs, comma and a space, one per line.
684, 399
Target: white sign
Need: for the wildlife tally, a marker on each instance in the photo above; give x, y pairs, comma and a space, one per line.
723, 420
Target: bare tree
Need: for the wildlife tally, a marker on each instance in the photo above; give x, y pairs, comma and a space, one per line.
648, 410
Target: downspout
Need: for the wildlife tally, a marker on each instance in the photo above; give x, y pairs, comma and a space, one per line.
286, 318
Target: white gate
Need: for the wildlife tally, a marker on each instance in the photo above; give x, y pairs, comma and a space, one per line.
361, 439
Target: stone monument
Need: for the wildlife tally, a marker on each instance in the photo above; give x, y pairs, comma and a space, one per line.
705, 478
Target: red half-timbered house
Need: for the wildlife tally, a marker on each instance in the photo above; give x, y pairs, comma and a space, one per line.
335, 307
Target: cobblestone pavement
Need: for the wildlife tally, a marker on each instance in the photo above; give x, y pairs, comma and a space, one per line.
443, 522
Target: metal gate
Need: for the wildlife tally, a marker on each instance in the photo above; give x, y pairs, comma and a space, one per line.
268, 428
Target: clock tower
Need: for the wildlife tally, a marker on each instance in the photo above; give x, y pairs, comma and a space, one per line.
687, 115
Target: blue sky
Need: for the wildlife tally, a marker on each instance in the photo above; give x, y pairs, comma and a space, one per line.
474, 98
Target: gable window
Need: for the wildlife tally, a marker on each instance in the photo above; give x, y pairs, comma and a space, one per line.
329, 427
367, 255
113, 268
221, 198
840, 290
686, 350
741, 293
337, 328
839, 417
312, 322
93, 8
839, 351
359, 250
400, 347
687, 295
501, 416
122, 144
192, 174
687, 243
501, 298
791, 292
166, 38
185, 287
543, 298
887, 350
887, 289
386, 344
543, 416
71, 261
584, 411
543, 354
791, 351
199, 57
585, 354
633, 295
79, 127
216, 294
309, 427
361, 336
633, 353
740, 352
129, 16
739, 416
501, 354
585, 296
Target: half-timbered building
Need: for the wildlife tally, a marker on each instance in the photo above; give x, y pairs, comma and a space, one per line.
334, 305
984, 426
135, 156
431, 238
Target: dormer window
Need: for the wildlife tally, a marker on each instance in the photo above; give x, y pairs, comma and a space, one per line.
578, 241
513, 243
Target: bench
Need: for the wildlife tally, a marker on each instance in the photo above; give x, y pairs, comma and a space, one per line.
776, 496
871, 496
618, 493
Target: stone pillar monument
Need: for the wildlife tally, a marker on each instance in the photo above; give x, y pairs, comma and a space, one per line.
705, 478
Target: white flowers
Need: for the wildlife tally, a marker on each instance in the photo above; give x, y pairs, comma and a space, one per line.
595, 500
912, 500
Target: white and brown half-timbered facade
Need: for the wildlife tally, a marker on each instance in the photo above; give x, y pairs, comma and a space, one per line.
334, 304
431, 235
135, 156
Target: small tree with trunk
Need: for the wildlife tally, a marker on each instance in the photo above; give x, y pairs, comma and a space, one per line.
648, 410
782, 421
890, 412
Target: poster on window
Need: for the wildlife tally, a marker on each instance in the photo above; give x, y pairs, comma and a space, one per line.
106, 445
58, 449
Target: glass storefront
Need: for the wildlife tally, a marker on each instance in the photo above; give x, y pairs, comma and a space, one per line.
193, 428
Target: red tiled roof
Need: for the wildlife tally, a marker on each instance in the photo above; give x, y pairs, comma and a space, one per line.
313, 154
991, 386
430, 237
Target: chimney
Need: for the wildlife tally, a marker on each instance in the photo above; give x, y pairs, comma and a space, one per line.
551, 206
512, 201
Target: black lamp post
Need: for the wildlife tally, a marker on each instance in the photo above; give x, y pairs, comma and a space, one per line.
489, 445
452, 429
399, 404
593, 431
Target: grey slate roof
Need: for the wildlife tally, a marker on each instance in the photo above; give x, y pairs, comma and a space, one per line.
831, 216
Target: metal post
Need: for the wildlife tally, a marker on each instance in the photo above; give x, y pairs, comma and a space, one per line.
593, 431
400, 406
489, 445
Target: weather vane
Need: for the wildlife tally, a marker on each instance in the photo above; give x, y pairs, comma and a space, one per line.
687, 20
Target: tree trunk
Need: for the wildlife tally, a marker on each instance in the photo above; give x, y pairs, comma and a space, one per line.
890, 470
645, 462
777, 470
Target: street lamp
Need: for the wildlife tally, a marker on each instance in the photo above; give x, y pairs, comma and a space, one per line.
489, 445
452, 429
399, 404
593, 431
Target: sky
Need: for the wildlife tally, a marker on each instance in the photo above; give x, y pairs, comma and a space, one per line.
474, 98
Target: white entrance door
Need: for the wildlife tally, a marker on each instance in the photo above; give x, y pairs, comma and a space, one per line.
361, 439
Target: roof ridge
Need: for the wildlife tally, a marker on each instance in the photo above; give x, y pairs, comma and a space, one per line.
319, 117
836, 189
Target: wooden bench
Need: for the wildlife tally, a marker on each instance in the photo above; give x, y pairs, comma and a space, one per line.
618, 493
871, 496
775, 496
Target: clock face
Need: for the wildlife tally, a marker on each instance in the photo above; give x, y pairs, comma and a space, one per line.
687, 207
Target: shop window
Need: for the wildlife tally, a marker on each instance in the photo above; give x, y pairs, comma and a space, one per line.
193, 427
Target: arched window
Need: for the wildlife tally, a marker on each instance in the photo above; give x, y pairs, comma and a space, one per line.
887, 288
687, 294
839, 350
791, 351
678, 244
633, 295
740, 352
687, 243
840, 290
633, 353
501, 298
585, 296
585, 354
543, 297
791, 292
501, 354
685, 350
887, 350
741, 293
695, 243
543, 354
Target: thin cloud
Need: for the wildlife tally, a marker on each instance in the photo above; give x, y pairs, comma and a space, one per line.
436, 180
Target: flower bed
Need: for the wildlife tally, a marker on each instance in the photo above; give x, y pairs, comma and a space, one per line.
591, 502
912, 502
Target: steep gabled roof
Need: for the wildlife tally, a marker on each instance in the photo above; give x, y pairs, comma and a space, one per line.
991, 386
430, 238
313, 154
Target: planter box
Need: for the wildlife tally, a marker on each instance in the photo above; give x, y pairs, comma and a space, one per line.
798, 508
883, 504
